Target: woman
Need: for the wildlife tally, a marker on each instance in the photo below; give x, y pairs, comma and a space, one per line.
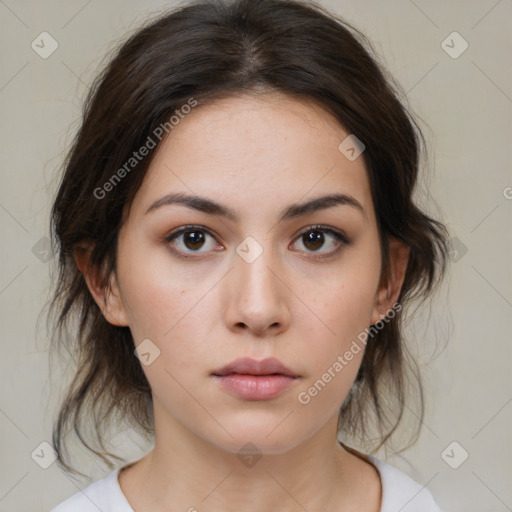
236, 229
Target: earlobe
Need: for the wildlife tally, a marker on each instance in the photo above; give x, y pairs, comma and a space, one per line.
391, 284
107, 297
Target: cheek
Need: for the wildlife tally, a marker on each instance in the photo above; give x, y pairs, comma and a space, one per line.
345, 308
159, 304
348, 301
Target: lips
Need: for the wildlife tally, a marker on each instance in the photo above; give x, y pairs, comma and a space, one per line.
248, 366
249, 379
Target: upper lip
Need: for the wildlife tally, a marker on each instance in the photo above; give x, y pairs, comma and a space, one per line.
248, 366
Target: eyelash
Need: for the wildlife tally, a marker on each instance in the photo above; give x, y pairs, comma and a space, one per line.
340, 237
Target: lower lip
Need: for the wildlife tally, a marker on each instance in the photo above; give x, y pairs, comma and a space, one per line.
255, 387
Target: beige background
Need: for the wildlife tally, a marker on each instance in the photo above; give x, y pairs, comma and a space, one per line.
465, 106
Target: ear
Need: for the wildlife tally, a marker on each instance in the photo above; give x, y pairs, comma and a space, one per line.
391, 282
107, 297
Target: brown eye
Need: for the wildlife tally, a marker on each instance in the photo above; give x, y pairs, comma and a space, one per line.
191, 239
316, 237
313, 240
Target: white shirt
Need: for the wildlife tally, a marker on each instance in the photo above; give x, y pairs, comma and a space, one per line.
400, 493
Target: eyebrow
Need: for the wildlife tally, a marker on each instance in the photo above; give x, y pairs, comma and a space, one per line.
206, 205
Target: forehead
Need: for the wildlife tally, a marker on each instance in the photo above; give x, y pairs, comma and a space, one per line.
251, 152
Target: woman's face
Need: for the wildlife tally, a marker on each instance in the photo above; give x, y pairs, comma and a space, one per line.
257, 282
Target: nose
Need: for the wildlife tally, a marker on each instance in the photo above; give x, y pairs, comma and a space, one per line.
258, 298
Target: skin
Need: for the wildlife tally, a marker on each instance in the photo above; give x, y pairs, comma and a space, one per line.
256, 155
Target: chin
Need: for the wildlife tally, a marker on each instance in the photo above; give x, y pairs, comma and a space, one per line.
268, 435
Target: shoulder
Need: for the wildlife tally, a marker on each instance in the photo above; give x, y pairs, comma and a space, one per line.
401, 492
104, 495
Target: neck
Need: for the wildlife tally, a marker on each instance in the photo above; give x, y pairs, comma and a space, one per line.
185, 472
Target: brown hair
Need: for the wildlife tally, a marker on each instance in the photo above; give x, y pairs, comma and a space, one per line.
208, 50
